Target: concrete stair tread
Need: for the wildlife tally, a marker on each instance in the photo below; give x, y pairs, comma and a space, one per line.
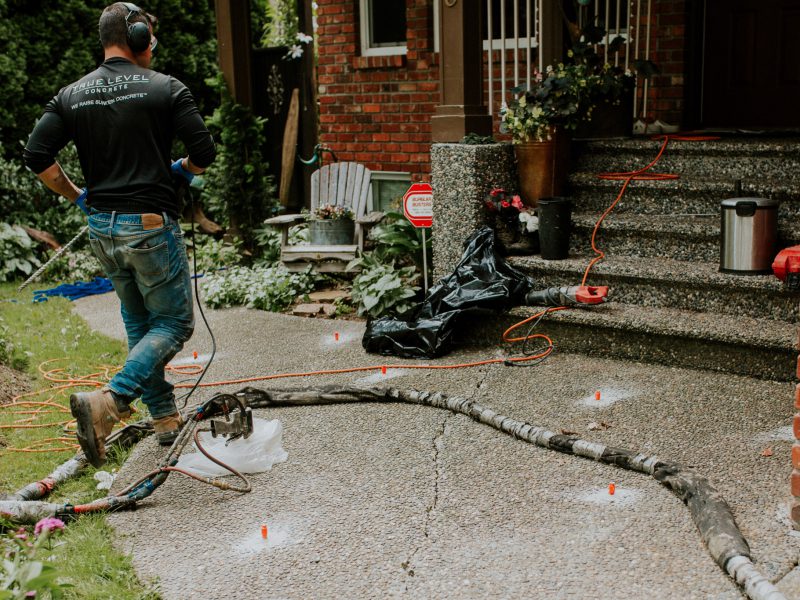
698, 224
678, 323
722, 146
663, 269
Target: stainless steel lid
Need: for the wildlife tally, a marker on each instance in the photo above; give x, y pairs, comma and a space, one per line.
759, 202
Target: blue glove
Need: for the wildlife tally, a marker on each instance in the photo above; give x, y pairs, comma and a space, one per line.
177, 168
81, 202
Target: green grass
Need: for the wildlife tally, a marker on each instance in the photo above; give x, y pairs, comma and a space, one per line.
45, 331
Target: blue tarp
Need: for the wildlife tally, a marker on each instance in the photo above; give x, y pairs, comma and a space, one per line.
73, 291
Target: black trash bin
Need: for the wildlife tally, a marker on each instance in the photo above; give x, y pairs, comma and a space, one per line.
555, 217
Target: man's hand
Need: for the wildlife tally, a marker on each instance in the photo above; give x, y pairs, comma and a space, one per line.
81, 202
178, 168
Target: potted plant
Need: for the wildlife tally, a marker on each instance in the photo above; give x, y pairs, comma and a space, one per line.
609, 112
568, 95
538, 120
515, 227
330, 225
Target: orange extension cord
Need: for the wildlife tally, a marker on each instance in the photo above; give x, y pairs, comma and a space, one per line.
34, 409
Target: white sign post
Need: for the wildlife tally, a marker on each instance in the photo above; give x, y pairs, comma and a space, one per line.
418, 209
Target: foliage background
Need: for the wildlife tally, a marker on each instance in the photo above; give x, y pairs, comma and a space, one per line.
48, 44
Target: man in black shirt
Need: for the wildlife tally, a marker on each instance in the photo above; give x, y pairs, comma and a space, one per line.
123, 117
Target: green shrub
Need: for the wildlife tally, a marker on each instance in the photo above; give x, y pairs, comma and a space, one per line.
396, 239
24, 199
266, 288
16, 252
212, 254
268, 242
382, 289
238, 190
74, 265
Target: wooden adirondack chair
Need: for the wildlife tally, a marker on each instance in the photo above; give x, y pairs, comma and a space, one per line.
340, 184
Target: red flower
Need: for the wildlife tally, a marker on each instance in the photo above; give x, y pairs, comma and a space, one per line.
490, 205
505, 204
497, 192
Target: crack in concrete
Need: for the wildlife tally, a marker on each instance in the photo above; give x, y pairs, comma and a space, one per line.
437, 445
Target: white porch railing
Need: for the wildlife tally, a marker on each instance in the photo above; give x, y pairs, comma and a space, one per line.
513, 49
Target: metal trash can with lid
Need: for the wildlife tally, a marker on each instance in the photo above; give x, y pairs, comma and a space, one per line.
748, 235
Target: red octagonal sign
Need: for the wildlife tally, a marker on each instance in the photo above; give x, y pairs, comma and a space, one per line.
418, 205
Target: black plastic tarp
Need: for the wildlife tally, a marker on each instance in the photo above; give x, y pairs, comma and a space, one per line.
481, 281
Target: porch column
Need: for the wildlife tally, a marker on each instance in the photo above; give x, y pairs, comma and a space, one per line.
462, 109
233, 42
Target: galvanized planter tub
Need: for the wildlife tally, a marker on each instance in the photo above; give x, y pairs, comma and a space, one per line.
333, 232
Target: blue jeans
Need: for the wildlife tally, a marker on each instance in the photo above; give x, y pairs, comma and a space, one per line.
147, 265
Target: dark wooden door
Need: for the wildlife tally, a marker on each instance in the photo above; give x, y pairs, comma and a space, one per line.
751, 74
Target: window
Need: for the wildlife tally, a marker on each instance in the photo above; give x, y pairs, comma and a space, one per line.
388, 188
383, 27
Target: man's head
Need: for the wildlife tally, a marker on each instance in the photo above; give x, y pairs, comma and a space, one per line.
126, 26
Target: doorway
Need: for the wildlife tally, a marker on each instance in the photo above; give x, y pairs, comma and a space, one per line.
751, 64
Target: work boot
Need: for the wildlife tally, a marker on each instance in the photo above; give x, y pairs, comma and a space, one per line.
167, 428
95, 414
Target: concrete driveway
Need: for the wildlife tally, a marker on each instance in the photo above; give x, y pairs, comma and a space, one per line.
394, 500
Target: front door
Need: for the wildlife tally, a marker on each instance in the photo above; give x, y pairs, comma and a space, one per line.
751, 74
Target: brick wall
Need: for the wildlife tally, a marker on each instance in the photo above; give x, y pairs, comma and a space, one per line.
668, 29
376, 110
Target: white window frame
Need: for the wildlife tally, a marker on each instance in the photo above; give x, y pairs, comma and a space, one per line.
379, 176
366, 49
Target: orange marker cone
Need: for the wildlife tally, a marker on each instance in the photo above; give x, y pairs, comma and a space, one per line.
597, 395
336, 336
264, 532
194, 354
612, 488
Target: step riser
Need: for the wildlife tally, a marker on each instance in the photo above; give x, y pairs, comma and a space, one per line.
650, 245
749, 169
681, 294
633, 243
666, 201
661, 349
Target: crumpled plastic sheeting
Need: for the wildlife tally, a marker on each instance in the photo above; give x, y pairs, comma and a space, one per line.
255, 454
481, 281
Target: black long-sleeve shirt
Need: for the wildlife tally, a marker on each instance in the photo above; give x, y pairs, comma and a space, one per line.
122, 118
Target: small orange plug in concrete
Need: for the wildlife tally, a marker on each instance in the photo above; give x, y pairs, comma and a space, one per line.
612, 488
597, 395
194, 354
336, 336
264, 532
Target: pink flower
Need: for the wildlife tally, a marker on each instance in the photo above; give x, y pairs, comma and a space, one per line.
48, 524
516, 202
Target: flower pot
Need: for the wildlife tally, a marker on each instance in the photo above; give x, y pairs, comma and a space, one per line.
333, 232
542, 167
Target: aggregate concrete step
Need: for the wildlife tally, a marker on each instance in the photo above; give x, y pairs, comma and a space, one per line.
745, 158
760, 348
688, 195
668, 283
680, 237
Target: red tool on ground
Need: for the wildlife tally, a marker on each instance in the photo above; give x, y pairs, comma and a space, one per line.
574, 295
786, 267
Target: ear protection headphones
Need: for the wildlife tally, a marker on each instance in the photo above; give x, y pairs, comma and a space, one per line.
138, 34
